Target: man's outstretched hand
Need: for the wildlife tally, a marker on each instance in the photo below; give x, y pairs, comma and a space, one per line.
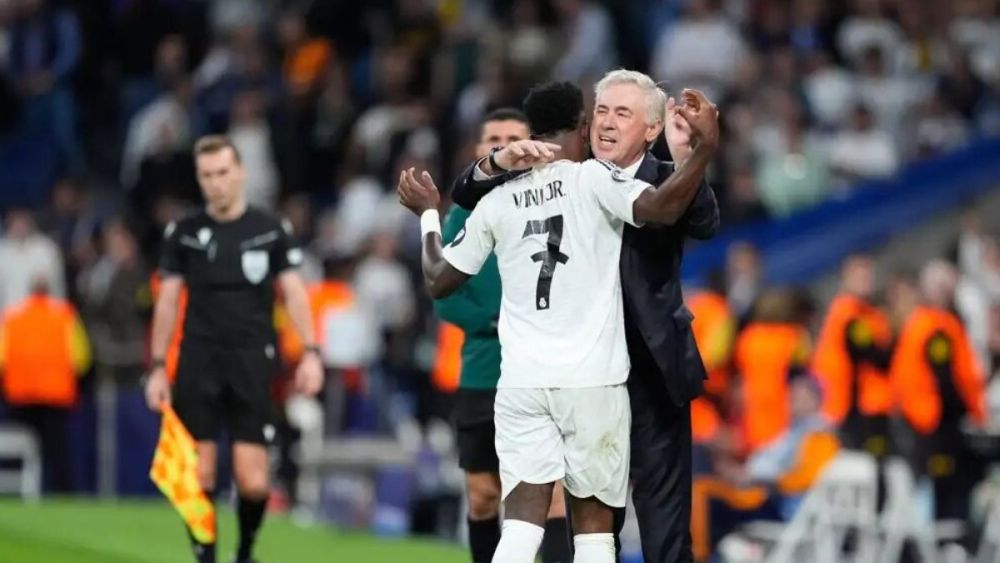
417, 193
702, 116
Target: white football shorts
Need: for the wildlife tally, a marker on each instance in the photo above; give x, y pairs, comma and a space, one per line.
579, 435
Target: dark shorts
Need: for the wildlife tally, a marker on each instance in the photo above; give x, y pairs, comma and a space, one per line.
473, 417
223, 385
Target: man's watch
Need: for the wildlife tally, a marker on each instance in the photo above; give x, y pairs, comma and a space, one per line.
493, 162
157, 363
314, 349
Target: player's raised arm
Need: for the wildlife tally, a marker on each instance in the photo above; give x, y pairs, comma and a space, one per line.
667, 203
421, 197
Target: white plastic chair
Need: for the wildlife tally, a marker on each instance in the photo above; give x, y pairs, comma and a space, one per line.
18, 442
842, 500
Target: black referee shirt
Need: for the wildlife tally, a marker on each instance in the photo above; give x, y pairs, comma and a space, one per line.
229, 269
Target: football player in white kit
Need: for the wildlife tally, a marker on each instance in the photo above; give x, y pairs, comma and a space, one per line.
562, 409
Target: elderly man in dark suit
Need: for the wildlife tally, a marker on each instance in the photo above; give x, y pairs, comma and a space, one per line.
630, 112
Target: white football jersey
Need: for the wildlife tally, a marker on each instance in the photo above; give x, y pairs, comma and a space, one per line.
557, 235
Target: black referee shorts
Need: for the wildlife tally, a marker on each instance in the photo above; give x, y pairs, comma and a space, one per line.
477, 452
219, 385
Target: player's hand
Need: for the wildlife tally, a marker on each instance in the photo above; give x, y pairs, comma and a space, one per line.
524, 154
309, 375
157, 389
418, 194
677, 132
702, 116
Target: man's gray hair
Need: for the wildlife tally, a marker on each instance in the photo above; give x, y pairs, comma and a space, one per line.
656, 98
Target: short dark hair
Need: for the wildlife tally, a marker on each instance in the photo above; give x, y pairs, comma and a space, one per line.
554, 107
503, 114
211, 144
506, 114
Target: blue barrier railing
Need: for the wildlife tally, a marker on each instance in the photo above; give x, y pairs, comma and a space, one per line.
801, 248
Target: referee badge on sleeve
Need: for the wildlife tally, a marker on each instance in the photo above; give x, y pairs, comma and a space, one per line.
255, 265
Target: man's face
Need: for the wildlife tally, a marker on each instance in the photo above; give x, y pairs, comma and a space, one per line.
499, 134
804, 400
859, 277
221, 179
619, 132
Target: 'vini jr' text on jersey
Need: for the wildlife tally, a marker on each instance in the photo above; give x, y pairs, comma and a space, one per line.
538, 196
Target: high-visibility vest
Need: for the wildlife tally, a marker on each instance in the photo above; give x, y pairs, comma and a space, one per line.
765, 354
705, 420
43, 346
324, 296
935, 373
714, 331
174, 349
447, 369
852, 383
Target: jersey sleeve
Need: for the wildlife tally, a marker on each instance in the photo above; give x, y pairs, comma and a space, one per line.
614, 189
472, 245
286, 252
172, 253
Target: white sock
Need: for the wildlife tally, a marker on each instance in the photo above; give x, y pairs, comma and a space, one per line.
594, 548
519, 542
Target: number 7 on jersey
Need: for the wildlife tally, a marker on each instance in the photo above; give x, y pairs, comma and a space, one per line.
549, 257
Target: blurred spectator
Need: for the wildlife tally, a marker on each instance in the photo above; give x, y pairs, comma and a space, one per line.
44, 52
307, 56
384, 285
148, 48
744, 279
589, 41
867, 29
772, 348
27, 256
156, 134
978, 290
298, 212
702, 50
976, 28
960, 87
852, 359
251, 135
830, 89
939, 128
742, 198
792, 172
888, 96
939, 384
862, 151
110, 291
72, 222
43, 349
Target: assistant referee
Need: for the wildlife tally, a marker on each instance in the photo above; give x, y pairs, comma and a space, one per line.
230, 256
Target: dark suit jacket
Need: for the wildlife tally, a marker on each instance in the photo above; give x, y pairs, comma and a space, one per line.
650, 272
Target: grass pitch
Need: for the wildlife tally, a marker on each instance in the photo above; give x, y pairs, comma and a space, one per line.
91, 531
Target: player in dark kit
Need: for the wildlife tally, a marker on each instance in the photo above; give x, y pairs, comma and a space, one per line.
230, 257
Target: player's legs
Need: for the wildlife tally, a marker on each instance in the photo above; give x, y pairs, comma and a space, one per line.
556, 543
250, 424
524, 517
483, 490
593, 522
597, 464
477, 456
530, 450
196, 400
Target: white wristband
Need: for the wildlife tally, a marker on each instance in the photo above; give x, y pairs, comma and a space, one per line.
430, 222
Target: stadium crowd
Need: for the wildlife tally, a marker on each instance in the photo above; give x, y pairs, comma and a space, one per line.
328, 100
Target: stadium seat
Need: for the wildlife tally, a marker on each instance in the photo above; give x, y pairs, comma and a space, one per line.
841, 505
20, 443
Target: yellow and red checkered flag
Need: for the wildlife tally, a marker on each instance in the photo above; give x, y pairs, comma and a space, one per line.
175, 472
